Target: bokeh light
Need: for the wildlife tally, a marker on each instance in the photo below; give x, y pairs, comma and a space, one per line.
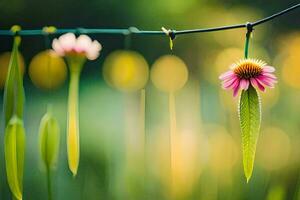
276, 192
47, 70
4, 64
169, 73
126, 70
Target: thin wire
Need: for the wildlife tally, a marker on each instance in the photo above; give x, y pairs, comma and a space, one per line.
145, 32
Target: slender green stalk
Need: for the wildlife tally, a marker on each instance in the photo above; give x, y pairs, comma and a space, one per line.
73, 123
248, 35
49, 184
75, 65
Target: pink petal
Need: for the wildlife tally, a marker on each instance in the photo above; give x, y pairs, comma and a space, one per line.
236, 90
269, 75
254, 82
67, 41
57, 48
229, 82
226, 75
83, 43
94, 50
270, 80
244, 84
266, 81
236, 87
269, 69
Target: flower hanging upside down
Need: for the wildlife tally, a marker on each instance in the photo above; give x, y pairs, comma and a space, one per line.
76, 51
246, 72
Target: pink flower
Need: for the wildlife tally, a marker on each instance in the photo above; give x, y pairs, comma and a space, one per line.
246, 72
69, 45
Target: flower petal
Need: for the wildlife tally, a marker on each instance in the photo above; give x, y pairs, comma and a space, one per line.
244, 84
57, 48
255, 83
229, 82
236, 87
266, 81
67, 41
226, 75
269, 69
83, 44
269, 75
94, 50
236, 90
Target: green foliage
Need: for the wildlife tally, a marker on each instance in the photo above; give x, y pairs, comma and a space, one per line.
250, 118
14, 155
49, 140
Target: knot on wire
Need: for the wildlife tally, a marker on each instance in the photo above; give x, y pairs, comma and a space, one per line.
249, 27
49, 30
131, 30
15, 29
16, 33
128, 33
169, 32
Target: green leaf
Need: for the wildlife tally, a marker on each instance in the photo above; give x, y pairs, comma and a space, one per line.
14, 155
250, 118
49, 140
14, 91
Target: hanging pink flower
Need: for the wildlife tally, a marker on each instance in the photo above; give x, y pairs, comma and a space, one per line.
69, 45
246, 72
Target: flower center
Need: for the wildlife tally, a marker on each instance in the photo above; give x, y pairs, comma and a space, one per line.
247, 70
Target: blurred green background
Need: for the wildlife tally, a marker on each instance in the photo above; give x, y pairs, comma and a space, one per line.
208, 153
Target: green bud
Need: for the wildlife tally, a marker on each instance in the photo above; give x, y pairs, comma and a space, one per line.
49, 140
14, 155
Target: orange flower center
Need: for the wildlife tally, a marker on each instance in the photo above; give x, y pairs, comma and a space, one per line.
248, 69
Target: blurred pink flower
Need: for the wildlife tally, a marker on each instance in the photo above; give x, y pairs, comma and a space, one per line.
69, 45
246, 72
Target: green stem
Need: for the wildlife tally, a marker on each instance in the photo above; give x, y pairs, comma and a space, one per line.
73, 122
248, 34
49, 184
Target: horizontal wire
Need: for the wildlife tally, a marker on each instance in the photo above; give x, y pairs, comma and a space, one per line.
133, 30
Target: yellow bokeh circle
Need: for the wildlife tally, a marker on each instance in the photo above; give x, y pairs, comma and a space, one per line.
47, 70
126, 70
4, 62
169, 73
